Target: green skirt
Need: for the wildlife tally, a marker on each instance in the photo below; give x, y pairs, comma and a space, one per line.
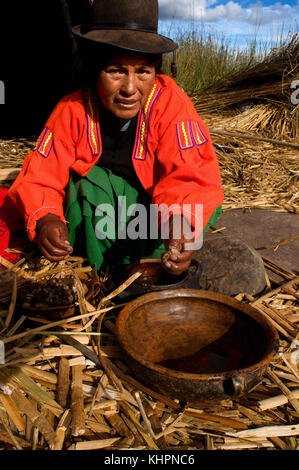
86, 222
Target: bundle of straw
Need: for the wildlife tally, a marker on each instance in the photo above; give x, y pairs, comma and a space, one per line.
267, 83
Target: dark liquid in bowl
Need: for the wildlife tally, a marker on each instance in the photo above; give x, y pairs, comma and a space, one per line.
213, 358
242, 346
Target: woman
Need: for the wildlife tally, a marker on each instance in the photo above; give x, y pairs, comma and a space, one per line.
134, 137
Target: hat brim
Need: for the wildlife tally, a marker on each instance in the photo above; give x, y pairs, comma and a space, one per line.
131, 40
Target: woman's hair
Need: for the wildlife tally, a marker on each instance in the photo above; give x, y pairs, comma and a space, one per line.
93, 58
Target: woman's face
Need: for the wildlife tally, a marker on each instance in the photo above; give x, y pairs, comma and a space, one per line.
124, 84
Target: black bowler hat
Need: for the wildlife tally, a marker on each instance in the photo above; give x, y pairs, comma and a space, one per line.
128, 24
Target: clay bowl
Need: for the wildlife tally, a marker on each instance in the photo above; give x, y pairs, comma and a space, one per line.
194, 344
153, 273
155, 278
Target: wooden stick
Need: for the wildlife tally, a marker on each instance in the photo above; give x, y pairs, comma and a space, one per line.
48, 416
29, 425
283, 242
217, 419
279, 443
146, 421
12, 304
277, 325
13, 412
290, 366
275, 291
258, 421
278, 400
121, 288
119, 425
237, 445
270, 431
98, 428
99, 392
77, 406
108, 367
82, 348
276, 316
39, 374
148, 439
36, 418
62, 426
276, 268
17, 325
84, 334
162, 398
233, 444
253, 137
12, 267
133, 429
291, 291
57, 323
4, 437
294, 402
5, 422
76, 361
35, 391
93, 445
63, 382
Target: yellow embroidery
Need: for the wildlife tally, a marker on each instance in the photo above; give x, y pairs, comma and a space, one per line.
149, 98
144, 122
198, 138
198, 135
185, 134
43, 150
140, 149
92, 124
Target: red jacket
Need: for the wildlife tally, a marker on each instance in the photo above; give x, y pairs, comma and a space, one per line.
173, 154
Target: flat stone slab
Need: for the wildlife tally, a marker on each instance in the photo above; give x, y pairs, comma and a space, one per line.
262, 230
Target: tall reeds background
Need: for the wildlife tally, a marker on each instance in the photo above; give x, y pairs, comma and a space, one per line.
204, 57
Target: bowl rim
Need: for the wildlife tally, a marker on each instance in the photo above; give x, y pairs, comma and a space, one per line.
247, 309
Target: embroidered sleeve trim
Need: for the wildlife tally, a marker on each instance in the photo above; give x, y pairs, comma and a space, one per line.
197, 134
44, 143
183, 132
32, 218
189, 133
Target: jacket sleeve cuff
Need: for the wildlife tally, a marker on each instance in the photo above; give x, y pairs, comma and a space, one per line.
38, 214
193, 213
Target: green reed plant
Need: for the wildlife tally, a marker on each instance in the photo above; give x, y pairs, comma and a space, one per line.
204, 58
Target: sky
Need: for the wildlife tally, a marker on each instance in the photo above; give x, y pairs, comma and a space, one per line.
239, 21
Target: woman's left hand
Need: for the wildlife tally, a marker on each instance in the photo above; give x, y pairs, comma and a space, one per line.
178, 263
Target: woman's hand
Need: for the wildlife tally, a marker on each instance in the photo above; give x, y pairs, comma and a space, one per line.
179, 260
53, 238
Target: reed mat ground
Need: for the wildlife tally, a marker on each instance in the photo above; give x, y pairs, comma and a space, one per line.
64, 384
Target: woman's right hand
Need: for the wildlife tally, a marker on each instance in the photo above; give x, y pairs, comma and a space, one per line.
53, 238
